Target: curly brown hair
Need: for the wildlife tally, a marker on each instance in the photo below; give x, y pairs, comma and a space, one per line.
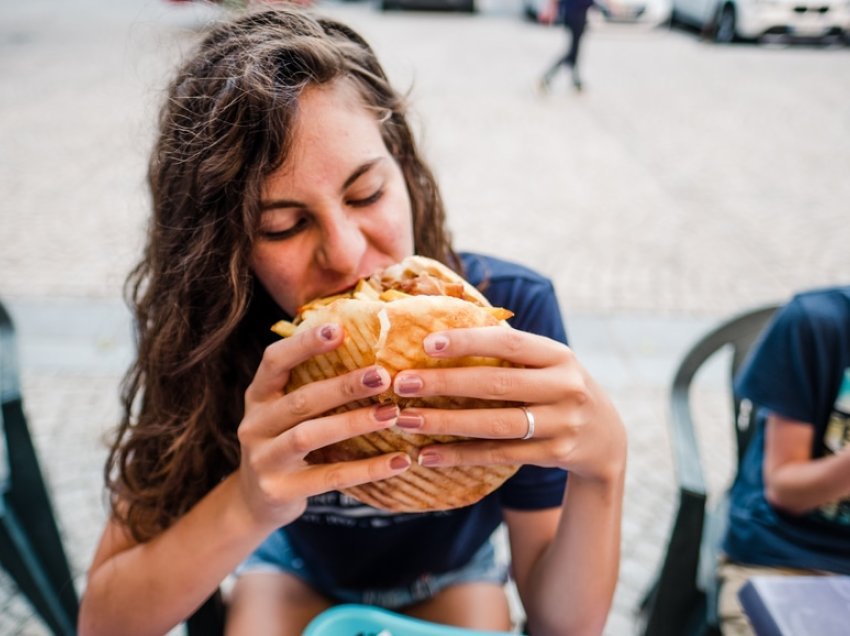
202, 317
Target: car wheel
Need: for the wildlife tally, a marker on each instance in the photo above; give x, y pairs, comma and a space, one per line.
468, 6
724, 30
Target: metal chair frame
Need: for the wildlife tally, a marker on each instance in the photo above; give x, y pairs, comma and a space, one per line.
682, 598
31, 548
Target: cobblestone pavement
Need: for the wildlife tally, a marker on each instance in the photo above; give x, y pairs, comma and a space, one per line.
686, 182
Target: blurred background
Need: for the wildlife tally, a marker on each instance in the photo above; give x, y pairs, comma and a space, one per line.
697, 174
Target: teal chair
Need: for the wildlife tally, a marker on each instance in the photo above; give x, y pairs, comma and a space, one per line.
30, 545
365, 620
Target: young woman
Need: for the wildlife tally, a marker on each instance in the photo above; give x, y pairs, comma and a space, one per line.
285, 170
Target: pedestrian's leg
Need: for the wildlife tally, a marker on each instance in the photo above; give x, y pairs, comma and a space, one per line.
576, 25
564, 60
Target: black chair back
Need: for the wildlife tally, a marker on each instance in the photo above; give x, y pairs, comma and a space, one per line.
681, 601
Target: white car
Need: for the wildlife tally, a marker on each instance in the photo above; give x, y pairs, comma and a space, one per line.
650, 11
728, 20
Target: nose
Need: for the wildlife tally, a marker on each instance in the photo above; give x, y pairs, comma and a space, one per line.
343, 246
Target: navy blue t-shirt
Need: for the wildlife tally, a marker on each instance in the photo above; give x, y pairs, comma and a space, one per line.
345, 543
799, 370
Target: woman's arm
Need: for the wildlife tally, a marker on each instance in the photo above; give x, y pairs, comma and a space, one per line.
148, 588
794, 482
566, 561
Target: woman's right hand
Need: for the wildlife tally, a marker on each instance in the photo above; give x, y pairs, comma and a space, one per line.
278, 430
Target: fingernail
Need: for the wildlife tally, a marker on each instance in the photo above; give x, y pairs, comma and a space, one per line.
372, 379
399, 461
408, 420
328, 332
435, 343
409, 384
428, 458
386, 412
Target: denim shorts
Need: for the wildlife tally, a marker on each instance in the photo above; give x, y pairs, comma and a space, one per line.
276, 554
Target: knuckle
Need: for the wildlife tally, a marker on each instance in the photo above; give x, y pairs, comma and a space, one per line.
300, 440
437, 384
500, 427
581, 396
500, 384
243, 435
298, 404
497, 455
375, 470
438, 422
245, 432
578, 389
513, 341
266, 486
269, 360
350, 387
562, 449
334, 478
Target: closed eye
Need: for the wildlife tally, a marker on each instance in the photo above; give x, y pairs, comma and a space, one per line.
370, 200
278, 235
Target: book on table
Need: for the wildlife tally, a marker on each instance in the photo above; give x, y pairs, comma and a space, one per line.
797, 605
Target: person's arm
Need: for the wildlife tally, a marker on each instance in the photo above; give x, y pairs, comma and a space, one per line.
549, 13
566, 561
150, 587
794, 482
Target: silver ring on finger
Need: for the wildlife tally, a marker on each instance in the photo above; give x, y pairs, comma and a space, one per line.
529, 418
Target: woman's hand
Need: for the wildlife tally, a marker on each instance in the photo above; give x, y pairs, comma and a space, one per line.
568, 553
279, 430
576, 426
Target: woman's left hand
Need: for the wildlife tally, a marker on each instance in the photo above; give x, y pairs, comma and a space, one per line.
576, 427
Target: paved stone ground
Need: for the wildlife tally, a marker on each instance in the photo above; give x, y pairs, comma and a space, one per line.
686, 182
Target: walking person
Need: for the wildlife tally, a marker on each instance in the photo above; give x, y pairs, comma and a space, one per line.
574, 15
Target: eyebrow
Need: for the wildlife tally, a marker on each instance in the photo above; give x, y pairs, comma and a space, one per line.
354, 176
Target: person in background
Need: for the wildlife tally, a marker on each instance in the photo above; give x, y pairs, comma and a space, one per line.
790, 504
285, 170
573, 13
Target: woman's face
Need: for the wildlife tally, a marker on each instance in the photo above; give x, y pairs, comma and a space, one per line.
338, 208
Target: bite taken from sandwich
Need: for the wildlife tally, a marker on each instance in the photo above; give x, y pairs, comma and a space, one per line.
385, 318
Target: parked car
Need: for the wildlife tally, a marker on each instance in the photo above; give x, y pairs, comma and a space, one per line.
729, 20
654, 11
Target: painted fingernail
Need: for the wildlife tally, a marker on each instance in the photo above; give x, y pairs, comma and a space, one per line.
372, 379
435, 344
328, 332
386, 412
408, 420
399, 461
408, 384
428, 458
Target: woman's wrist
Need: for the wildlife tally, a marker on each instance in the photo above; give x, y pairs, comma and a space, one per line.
240, 517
